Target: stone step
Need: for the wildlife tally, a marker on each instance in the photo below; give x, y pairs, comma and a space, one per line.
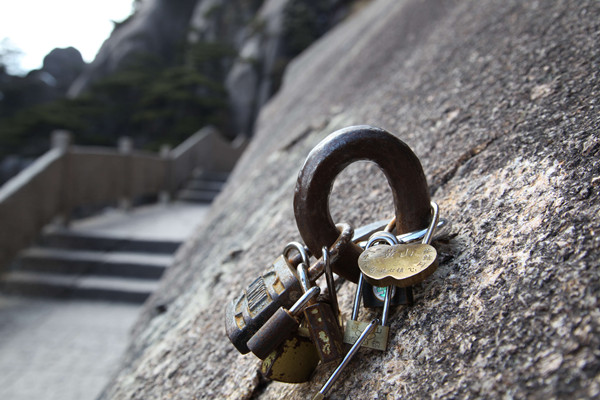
201, 184
26, 283
68, 239
119, 264
197, 196
215, 176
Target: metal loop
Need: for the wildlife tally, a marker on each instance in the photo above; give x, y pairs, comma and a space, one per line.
330, 282
303, 275
340, 149
433, 224
298, 247
382, 236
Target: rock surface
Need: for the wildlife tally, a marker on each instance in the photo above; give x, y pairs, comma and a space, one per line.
64, 65
156, 30
499, 101
252, 31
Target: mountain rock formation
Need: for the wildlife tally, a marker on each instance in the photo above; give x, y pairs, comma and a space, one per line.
155, 30
261, 35
499, 99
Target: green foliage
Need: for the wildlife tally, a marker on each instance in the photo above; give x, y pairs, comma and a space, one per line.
147, 100
305, 21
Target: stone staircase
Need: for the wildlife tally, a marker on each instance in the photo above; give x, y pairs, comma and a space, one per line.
203, 186
68, 264
115, 256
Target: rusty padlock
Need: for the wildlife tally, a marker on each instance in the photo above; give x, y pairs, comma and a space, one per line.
280, 326
323, 325
293, 361
338, 150
277, 287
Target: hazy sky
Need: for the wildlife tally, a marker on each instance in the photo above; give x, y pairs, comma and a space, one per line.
38, 26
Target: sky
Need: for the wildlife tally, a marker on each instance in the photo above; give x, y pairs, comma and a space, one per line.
38, 26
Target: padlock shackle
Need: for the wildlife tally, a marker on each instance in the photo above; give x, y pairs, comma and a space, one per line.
382, 236
433, 224
303, 275
338, 150
299, 305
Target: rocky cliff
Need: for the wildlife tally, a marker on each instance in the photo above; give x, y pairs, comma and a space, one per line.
257, 38
499, 101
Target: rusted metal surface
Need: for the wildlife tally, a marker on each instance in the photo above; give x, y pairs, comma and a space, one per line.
338, 150
277, 287
325, 332
344, 239
280, 326
294, 361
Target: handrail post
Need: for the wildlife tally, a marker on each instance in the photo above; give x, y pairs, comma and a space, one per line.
165, 154
125, 147
62, 139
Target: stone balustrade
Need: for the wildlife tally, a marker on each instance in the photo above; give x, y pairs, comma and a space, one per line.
67, 177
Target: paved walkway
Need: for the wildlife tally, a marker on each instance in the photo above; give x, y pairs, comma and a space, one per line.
173, 221
60, 350
68, 349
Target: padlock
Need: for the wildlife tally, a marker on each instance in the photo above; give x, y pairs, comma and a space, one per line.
293, 361
280, 326
357, 344
333, 301
402, 264
278, 287
315, 180
378, 339
374, 296
322, 324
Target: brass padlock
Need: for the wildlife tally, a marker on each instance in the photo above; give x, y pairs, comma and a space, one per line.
401, 264
378, 339
280, 326
277, 287
373, 296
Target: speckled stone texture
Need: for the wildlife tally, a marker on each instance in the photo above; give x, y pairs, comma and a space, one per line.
499, 99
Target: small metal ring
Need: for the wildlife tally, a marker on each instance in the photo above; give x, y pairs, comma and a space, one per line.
391, 225
382, 236
298, 247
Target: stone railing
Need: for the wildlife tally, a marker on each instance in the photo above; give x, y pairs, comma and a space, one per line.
67, 177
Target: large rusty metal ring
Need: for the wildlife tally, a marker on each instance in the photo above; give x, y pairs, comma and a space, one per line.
338, 150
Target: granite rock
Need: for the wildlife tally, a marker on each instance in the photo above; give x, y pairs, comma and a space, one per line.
156, 29
499, 101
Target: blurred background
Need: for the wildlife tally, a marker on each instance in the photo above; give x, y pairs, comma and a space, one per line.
120, 121
156, 71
